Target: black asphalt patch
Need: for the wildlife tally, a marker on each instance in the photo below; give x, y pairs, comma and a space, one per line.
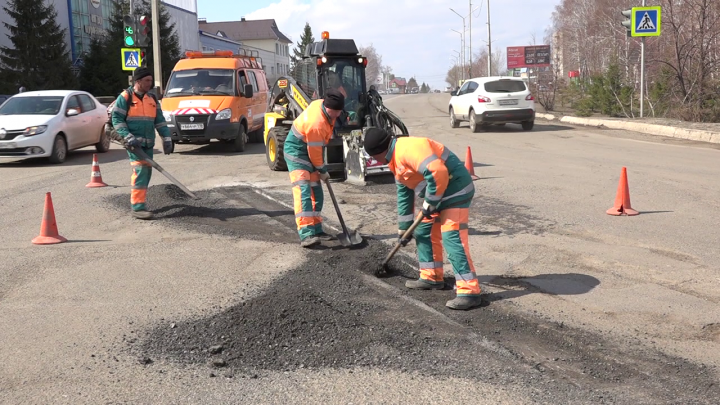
331, 313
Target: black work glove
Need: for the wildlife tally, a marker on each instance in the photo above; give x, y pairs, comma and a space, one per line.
167, 146
131, 141
402, 241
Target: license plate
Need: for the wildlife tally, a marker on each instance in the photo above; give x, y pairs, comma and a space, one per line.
8, 145
190, 127
508, 102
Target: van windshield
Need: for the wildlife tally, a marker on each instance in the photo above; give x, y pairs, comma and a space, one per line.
505, 86
219, 82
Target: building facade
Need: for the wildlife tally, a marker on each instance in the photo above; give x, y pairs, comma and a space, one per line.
261, 36
212, 42
84, 20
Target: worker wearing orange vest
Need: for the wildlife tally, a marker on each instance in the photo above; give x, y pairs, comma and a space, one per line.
304, 153
427, 168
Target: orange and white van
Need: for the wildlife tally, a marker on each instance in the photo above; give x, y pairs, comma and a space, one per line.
216, 95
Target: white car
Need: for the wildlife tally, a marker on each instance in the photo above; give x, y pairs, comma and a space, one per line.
486, 101
50, 123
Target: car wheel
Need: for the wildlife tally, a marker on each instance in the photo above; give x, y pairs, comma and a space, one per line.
454, 123
528, 125
59, 151
474, 126
239, 143
104, 144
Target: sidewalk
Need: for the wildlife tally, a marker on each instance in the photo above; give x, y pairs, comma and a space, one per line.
694, 131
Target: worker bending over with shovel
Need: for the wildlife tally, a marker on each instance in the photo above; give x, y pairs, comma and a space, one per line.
427, 168
304, 153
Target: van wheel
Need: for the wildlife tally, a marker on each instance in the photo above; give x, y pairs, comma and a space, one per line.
256, 136
239, 142
274, 151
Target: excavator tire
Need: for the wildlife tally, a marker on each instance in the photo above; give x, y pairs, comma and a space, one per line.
274, 149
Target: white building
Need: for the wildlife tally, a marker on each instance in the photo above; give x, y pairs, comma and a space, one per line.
262, 36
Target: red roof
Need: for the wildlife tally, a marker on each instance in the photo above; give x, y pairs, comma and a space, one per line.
399, 81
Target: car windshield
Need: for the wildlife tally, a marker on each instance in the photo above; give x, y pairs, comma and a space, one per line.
34, 105
505, 86
219, 82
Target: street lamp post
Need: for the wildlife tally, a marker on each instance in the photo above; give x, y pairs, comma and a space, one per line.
462, 52
489, 42
463, 40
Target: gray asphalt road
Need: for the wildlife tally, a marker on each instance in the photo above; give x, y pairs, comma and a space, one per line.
543, 245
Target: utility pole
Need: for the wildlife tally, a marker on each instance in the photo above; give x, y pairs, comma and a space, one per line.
642, 72
470, 68
156, 46
489, 42
462, 53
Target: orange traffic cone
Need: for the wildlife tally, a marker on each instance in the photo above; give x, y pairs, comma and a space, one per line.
95, 176
48, 229
469, 164
622, 199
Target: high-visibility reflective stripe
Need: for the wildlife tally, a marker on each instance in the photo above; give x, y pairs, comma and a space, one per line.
299, 135
298, 160
307, 214
433, 197
320, 168
464, 226
316, 144
424, 164
167, 139
420, 187
118, 110
465, 276
314, 184
406, 218
445, 155
160, 125
467, 190
139, 118
430, 265
120, 125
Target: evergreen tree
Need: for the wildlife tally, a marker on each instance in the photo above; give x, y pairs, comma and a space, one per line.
305, 39
169, 42
412, 83
38, 59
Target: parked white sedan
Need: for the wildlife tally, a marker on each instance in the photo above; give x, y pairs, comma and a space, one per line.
50, 123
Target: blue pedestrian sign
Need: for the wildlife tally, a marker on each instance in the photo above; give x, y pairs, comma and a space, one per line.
131, 58
646, 21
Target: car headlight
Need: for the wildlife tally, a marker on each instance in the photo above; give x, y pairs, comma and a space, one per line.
168, 116
224, 114
30, 131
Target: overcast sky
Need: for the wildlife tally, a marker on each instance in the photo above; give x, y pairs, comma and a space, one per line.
413, 37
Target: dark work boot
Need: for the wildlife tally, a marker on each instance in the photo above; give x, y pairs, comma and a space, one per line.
325, 236
310, 241
464, 302
421, 284
142, 214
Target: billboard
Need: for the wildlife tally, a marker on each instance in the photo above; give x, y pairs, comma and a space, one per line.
528, 56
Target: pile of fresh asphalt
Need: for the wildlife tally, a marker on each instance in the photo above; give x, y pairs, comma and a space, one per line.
331, 313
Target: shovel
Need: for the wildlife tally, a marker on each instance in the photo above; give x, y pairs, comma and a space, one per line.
383, 268
346, 238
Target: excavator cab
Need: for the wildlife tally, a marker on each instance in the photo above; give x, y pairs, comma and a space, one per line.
330, 64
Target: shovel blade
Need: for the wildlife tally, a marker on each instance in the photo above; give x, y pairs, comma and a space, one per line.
350, 240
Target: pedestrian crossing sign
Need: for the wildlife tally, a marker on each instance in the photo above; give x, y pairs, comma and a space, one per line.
646, 21
131, 58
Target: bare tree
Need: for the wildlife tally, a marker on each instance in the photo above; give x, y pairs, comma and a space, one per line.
374, 69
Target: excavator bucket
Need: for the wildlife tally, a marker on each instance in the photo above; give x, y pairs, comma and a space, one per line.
358, 164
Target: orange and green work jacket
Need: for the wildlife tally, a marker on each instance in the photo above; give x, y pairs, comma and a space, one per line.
428, 169
141, 118
305, 144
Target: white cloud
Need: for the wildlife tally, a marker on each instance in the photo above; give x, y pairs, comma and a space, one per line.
413, 37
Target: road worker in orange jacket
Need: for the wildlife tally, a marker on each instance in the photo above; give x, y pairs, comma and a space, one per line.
428, 169
304, 153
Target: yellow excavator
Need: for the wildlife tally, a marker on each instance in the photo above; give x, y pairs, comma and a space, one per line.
330, 63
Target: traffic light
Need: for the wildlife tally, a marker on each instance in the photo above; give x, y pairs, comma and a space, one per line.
627, 23
142, 58
129, 30
144, 34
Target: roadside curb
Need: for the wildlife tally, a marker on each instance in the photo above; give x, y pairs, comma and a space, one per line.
645, 128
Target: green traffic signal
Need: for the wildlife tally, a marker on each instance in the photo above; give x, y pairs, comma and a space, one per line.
129, 41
